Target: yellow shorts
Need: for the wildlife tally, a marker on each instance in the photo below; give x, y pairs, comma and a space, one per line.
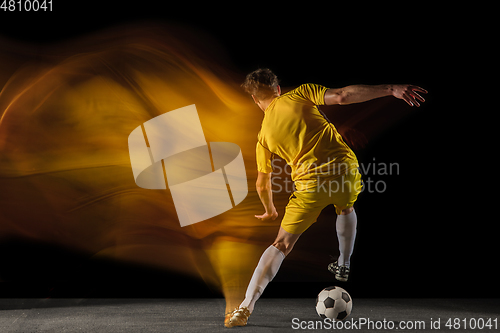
305, 205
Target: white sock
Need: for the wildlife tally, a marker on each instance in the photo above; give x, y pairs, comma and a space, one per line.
268, 266
346, 233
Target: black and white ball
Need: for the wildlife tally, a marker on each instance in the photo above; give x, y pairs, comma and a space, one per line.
334, 303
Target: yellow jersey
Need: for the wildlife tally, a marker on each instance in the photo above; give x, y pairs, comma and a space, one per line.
294, 129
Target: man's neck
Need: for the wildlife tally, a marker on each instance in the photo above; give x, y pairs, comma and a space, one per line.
266, 103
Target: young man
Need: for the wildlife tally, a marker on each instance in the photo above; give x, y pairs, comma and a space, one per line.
324, 169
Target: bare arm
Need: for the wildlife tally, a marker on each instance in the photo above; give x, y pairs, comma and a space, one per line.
361, 93
265, 192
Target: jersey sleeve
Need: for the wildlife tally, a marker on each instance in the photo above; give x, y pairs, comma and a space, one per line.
313, 92
264, 159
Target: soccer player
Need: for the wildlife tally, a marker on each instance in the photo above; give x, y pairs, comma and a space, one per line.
324, 169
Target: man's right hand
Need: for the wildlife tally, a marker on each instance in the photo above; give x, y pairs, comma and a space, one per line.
267, 217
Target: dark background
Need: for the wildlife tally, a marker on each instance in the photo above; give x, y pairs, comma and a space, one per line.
429, 235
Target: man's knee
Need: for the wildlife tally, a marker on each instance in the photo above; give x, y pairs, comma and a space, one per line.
283, 247
285, 241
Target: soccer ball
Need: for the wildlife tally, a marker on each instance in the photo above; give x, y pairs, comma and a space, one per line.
334, 303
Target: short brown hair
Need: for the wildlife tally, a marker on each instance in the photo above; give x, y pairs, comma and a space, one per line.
262, 83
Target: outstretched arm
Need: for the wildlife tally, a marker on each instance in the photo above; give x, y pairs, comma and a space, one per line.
361, 93
264, 190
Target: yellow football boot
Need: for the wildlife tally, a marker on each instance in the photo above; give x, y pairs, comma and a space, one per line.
238, 317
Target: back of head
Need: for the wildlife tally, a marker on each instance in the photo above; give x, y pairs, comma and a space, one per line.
262, 83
